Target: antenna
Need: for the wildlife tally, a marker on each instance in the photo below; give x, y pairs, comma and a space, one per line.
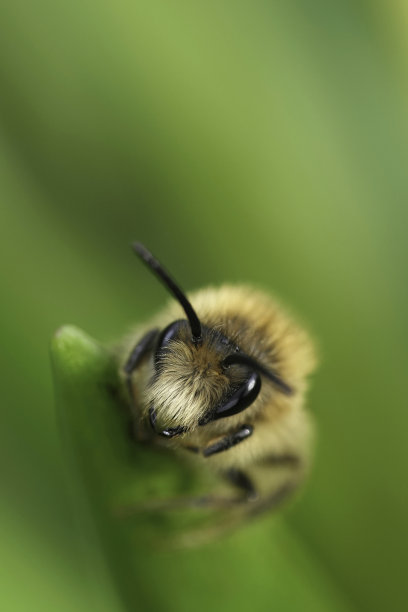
156, 267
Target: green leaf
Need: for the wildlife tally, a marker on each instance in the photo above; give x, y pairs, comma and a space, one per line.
264, 562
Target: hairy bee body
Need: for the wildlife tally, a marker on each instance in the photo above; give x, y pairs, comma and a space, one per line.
181, 384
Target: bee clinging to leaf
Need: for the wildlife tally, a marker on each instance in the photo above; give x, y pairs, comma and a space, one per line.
220, 375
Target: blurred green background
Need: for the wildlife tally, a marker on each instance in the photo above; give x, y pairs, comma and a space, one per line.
241, 141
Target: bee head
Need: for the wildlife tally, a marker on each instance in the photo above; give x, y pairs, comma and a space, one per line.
199, 374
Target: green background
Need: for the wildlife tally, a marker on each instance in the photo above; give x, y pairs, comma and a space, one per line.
244, 141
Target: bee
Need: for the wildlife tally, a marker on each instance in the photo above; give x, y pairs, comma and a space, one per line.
220, 376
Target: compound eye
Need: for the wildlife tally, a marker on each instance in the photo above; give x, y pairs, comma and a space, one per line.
169, 333
243, 397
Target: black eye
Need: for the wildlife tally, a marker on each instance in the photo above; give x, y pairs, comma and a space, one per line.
168, 334
238, 401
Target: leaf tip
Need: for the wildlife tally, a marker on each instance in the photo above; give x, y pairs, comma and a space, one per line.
73, 351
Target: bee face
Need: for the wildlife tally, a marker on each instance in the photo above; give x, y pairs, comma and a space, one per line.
192, 384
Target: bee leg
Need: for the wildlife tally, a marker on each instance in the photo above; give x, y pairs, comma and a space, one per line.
241, 480
274, 499
178, 503
242, 515
135, 358
229, 441
241, 508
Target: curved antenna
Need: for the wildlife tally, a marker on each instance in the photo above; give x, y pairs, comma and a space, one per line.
166, 279
258, 367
